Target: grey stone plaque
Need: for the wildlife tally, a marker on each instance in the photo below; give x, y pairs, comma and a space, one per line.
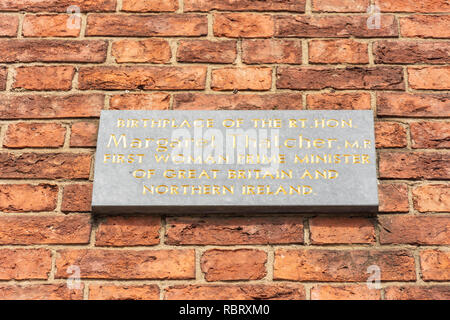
235, 161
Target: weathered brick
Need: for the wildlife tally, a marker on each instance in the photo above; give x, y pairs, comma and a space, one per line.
338, 51
435, 265
410, 52
417, 292
34, 135
128, 231
413, 104
245, 5
233, 231
127, 264
243, 25
123, 292
25, 264
432, 135
150, 5
45, 229
235, 292
300, 26
3, 77
318, 78
393, 197
429, 6
44, 78
246, 78
51, 26
196, 101
349, 292
148, 50
414, 165
390, 135
415, 230
45, 166
434, 78
271, 51
33, 106
207, 51
77, 198
20, 50
239, 264
338, 101
327, 230
84, 134
25, 197
432, 198
148, 78
57, 5
40, 292
8, 25
342, 265
169, 25
152, 101
340, 5
425, 26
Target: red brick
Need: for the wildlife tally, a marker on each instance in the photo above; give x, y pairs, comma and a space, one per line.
415, 230
413, 105
342, 265
77, 198
21, 50
327, 230
243, 25
432, 135
339, 101
414, 165
234, 231
8, 25
245, 5
152, 101
145, 78
40, 292
45, 229
239, 264
338, 51
246, 78
413, 51
207, 51
272, 51
148, 50
318, 78
349, 292
57, 5
33, 106
24, 197
300, 26
84, 134
51, 26
3, 77
34, 135
418, 293
150, 5
393, 197
432, 198
25, 264
128, 264
390, 135
235, 292
169, 25
429, 6
128, 231
196, 101
340, 5
123, 292
435, 265
434, 78
44, 78
425, 26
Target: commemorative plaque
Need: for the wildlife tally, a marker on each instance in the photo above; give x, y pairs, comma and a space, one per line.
235, 161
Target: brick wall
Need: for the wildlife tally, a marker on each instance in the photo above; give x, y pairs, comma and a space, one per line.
56, 75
